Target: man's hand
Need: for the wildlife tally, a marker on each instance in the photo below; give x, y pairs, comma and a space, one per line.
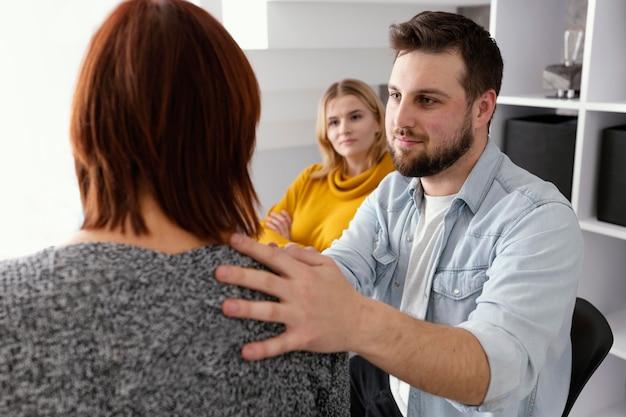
316, 303
322, 312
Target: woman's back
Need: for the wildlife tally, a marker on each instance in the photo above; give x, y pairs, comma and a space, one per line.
104, 329
163, 130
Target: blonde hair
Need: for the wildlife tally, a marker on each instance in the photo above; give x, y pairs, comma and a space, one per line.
331, 160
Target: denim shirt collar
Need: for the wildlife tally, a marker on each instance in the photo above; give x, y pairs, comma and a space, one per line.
476, 185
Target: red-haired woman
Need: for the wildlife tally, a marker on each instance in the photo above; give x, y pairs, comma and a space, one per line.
125, 318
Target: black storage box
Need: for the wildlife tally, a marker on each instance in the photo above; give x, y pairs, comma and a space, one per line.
612, 176
544, 145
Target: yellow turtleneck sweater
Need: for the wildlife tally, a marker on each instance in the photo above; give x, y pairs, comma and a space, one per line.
321, 209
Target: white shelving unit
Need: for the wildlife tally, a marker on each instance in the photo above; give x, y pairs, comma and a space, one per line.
530, 36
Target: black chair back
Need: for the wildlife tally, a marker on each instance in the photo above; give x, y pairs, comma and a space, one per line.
592, 339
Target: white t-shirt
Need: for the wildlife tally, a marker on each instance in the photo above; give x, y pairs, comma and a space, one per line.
418, 281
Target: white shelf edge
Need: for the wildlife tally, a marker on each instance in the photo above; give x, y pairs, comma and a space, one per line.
537, 100
616, 410
617, 321
609, 107
603, 228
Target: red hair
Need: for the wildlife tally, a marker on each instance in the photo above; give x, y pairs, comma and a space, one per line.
166, 103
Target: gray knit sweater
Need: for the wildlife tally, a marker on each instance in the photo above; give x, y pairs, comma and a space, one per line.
102, 329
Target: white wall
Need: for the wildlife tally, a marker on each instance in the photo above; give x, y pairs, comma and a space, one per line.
41, 47
42, 43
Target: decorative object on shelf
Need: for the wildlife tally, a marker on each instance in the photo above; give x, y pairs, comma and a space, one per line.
544, 145
611, 203
564, 78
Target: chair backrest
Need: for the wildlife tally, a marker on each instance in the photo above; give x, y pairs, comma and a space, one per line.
592, 339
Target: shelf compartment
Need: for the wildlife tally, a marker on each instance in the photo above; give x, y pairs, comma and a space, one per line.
617, 321
527, 52
615, 410
605, 65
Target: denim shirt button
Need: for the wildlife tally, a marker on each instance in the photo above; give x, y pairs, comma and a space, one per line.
396, 284
409, 238
456, 291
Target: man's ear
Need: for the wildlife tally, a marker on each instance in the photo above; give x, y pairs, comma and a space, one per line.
484, 107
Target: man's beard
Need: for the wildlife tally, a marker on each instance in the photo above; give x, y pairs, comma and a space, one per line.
425, 165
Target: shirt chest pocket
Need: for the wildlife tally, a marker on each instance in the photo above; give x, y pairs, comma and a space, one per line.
386, 258
454, 294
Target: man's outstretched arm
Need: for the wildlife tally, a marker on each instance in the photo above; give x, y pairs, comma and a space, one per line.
322, 312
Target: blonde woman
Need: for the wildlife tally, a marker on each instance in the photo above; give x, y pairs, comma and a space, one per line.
322, 200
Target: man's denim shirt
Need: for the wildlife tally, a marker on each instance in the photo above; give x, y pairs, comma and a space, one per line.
506, 268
